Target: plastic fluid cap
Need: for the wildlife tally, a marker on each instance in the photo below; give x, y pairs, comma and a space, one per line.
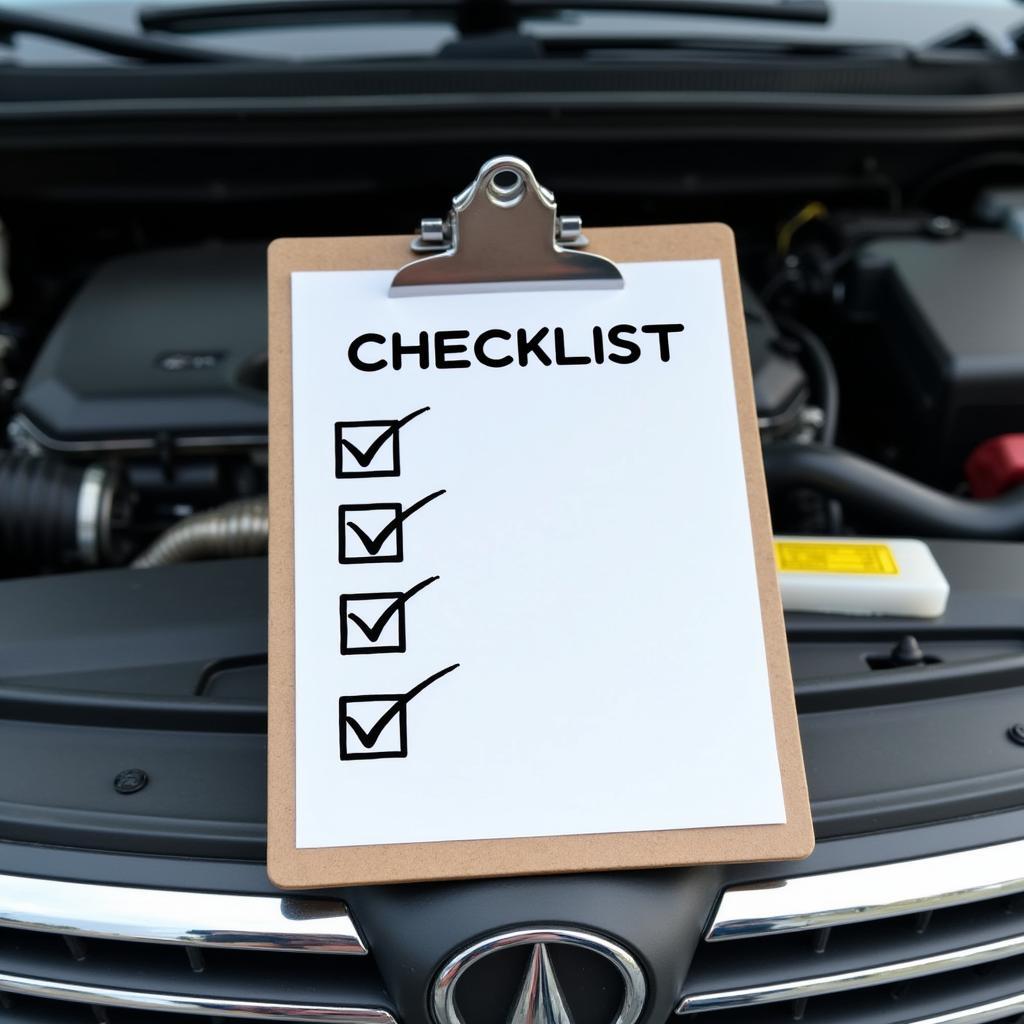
860, 576
996, 465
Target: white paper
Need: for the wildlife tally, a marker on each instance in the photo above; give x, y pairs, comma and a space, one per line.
594, 572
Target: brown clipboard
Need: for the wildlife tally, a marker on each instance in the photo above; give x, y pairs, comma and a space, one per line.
290, 867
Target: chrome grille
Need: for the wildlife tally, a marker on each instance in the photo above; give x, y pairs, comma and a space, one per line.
85, 953
938, 940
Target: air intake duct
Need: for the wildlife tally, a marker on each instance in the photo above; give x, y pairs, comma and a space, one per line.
54, 515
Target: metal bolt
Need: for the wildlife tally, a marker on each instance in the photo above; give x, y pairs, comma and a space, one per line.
941, 226
131, 780
432, 230
1016, 733
568, 229
907, 652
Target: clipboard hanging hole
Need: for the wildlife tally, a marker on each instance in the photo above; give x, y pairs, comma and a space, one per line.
506, 188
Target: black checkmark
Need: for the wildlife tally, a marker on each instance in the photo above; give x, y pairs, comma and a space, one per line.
364, 456
375, 543
373, 632
368, 737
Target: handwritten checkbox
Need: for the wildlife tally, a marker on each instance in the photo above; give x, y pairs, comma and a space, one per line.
375, 623
367, 448
373, 532
375, 725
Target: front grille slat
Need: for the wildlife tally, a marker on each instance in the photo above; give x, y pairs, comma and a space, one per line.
138, 999
984, 1013
85, 910
843, 981
863, 894
83, 952
929, 941
928, 999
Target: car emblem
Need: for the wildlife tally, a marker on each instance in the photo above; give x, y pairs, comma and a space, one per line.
541, 999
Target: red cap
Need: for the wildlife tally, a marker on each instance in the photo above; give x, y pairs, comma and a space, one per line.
996, 465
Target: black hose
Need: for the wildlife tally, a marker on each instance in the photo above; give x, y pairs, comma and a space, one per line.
890, 499
824, 371
53, 514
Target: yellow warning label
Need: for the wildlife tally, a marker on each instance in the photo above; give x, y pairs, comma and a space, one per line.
810, 556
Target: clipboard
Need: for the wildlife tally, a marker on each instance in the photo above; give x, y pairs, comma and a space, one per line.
501, 232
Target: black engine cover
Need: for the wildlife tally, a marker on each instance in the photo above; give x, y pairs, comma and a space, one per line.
157, 348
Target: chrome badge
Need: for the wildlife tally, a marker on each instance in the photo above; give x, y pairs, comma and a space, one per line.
540, 999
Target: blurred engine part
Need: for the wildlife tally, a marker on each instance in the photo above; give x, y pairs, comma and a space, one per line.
5, 280
1003, 206
53, 514
238, 529
781, 389
890, 501
820, 421
161, 351
996, 466
951, 312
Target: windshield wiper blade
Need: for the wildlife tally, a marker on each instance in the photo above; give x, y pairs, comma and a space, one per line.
472, 16
816, 11
707, 48
117, 44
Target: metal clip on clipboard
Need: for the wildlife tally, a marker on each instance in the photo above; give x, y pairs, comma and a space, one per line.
504, 234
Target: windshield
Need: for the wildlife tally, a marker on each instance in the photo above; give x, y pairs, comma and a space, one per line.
320, 30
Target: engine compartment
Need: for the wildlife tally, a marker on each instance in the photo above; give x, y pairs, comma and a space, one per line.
886, 345
174, 656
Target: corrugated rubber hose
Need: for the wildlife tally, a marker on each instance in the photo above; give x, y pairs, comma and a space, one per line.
893, 501
235, 530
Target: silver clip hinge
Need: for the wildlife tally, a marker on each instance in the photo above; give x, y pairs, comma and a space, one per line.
503, 232
436, 234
